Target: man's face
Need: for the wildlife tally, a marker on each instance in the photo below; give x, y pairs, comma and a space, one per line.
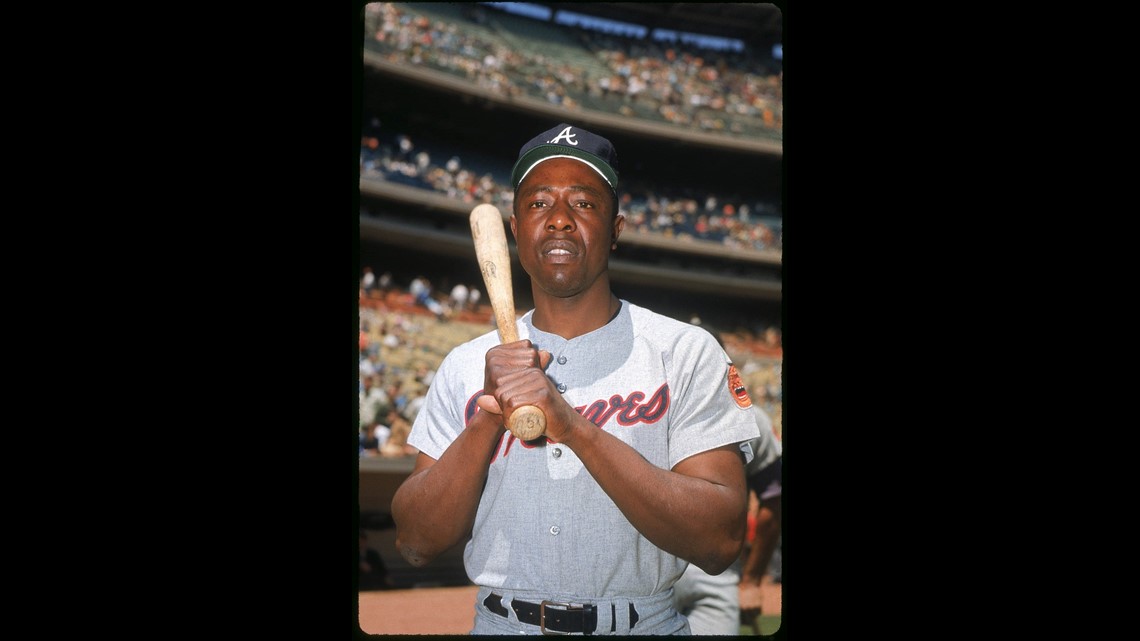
564, 225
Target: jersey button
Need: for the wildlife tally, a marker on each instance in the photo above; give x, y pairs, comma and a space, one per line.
561, 360
562, 387
557, 452
554, 529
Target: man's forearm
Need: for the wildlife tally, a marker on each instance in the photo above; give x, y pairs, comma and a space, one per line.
698, 517
435, 507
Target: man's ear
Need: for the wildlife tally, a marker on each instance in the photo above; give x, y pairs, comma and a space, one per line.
514, 228
616, 229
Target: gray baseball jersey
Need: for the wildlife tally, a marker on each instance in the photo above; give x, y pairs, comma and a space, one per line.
544, 527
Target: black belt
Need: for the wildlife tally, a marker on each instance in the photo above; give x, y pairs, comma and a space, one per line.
570, 618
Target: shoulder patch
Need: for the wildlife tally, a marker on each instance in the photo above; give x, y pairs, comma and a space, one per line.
736, 387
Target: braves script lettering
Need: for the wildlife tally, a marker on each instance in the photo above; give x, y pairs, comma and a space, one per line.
631, 410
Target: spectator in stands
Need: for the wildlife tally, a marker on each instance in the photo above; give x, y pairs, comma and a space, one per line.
459, 297
396, 444
397, 395
405, 148
380, 430
771, 344
389, 338
369, 446
424, 374
412, 408
421, 291
374, 400
367, 282
369, 365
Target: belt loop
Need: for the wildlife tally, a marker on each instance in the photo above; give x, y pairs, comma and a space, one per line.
605, 618
512, 616
621, 617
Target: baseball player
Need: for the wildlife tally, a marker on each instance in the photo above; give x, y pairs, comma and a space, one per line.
640, 471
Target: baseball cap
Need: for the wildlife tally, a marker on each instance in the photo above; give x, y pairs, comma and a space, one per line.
568, 141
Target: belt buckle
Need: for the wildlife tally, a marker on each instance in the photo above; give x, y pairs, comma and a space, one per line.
542, 615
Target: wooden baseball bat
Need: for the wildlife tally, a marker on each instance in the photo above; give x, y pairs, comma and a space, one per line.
527, 422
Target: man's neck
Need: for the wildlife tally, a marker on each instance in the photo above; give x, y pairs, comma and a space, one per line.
574, 317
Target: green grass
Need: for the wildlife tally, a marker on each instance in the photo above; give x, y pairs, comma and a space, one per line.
769, 623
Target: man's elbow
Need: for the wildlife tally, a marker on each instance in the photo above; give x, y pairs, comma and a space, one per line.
413, 554
721, 559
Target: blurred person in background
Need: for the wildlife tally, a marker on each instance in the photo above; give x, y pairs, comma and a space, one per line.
421, 291
396, 444
367, 283
416, 400
459, 296
374, 400
369, 446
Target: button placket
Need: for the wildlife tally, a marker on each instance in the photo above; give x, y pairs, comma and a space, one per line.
561, 360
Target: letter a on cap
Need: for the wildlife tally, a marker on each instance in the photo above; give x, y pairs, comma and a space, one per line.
567, 135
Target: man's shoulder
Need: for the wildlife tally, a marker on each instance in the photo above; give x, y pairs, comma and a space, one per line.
646, 315
666, 328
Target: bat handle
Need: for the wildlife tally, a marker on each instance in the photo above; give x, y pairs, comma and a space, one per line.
508, 332
527, 423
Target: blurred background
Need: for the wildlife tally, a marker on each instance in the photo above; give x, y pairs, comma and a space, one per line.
691, 96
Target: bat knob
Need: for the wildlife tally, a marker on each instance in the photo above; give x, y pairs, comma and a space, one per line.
527, 423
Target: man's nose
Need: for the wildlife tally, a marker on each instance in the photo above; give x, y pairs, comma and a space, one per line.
560, 219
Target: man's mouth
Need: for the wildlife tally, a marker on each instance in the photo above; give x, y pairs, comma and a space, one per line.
558, 249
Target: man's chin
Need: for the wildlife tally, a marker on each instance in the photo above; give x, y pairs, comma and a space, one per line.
562, 289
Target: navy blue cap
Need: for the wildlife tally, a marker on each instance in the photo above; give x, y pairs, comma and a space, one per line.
567, 141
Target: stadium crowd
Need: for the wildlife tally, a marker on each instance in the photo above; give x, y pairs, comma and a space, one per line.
672, 212
680, 83
579, 68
